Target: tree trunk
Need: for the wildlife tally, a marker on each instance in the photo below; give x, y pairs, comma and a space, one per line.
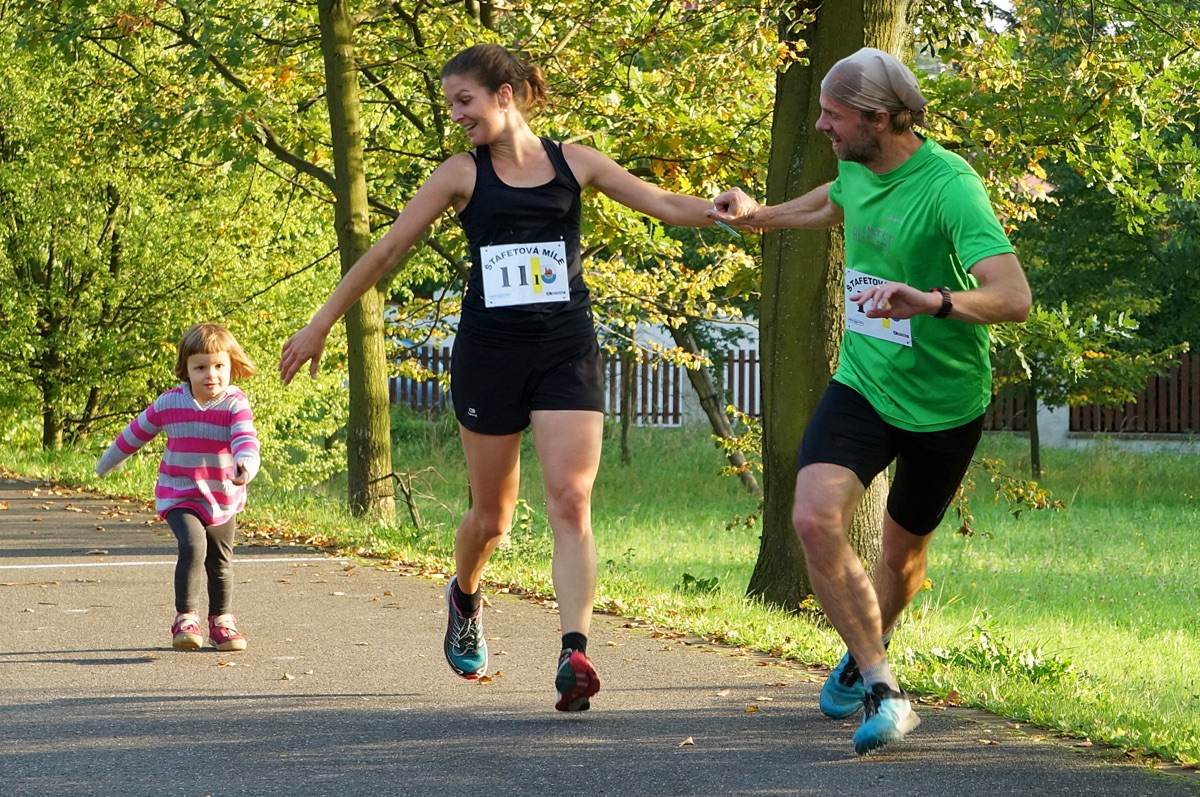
52, 421
711, 400
368, 431
628, 370
802, 307
1035, 440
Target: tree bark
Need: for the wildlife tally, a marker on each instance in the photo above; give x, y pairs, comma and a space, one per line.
802, 307
1035, 438
628, 370
368, 431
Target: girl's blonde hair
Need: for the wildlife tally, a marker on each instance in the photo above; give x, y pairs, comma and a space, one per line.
208, 338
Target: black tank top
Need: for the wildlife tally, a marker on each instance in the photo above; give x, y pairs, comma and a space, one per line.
499, 214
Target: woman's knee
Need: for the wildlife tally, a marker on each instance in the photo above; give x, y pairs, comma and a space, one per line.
571, 504
488, 525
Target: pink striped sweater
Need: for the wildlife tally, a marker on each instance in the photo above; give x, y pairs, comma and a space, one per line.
204, 447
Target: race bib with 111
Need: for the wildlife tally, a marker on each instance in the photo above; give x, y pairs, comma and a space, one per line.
890, 329
530, 273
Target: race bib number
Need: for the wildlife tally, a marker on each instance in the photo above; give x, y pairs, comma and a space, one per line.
889, 329
524, 273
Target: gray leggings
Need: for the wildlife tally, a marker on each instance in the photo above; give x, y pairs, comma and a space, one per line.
202, 549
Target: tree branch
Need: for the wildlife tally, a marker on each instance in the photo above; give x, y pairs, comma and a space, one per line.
393, 100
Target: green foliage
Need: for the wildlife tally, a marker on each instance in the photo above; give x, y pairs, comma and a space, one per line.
1078, 251
1105, 89
1077, 360
676, 92
987, 652
1016, 493
102, 268
694, 585
746, 440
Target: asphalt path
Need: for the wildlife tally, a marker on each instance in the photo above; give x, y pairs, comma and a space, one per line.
343, 691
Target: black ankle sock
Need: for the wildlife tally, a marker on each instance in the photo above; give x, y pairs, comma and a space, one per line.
575, 641
467, 604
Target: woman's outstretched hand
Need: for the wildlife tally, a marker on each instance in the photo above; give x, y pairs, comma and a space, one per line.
307, 345
736, 208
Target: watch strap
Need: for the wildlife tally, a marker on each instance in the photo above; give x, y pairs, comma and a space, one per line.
947, 305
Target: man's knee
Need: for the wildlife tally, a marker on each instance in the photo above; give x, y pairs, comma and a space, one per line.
816, 526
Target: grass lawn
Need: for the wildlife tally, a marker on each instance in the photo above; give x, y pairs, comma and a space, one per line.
1085, 621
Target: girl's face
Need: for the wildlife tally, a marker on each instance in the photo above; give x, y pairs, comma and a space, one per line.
481, 114
208, 375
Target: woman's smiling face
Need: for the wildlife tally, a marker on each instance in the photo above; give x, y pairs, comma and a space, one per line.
481, 114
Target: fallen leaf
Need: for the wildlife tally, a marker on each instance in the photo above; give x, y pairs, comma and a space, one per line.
3, 504
723, 693
688, 742
1084, 743
223, 663
485, 679
752, 709
387, 593
987, 741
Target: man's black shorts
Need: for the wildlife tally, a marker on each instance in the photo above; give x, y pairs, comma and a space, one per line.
846, 430
495, 385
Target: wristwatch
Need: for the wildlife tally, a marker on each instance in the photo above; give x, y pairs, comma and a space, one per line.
947, 305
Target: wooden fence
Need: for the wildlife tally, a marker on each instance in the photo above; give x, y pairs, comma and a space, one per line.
427, 395
1170, 404
1007, 413
657, 389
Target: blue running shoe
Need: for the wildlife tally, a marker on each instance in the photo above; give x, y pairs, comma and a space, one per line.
843, 692
465, 647
887, 717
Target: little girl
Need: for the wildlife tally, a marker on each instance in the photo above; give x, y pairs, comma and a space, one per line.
212, 453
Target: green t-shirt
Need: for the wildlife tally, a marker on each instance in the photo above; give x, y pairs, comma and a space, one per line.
926, 224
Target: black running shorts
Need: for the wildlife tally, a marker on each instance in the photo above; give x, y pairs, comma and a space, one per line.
495, 385
846, 430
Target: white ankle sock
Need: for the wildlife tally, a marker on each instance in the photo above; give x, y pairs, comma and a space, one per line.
879, 673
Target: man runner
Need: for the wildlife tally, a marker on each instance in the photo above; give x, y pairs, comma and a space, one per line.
928, 266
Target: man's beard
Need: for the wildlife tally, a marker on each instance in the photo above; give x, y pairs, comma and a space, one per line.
864, 149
